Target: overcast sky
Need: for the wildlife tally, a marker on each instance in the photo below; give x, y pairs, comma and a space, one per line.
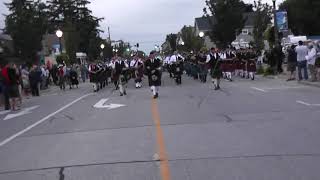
143, 21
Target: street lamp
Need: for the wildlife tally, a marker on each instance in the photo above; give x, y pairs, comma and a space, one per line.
276, 35
182, 43
201, 34
59, 34
102, 46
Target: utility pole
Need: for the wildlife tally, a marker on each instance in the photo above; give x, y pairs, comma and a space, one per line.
109, 36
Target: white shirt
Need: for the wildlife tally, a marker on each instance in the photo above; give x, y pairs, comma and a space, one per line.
167, 60
312, 56
134, 63
173, 59
209, 57
112, 64
302, 52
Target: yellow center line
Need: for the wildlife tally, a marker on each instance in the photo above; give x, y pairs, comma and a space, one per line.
161, 148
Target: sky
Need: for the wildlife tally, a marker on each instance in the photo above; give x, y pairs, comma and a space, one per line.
146, 22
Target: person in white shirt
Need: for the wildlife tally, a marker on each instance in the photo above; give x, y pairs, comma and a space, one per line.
172, 61
302, 52
136, 66
311, 59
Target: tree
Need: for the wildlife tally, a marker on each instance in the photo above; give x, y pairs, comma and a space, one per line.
192, 42
26, 24
262, 19
80, 27
172, 39
303, 16
226, 20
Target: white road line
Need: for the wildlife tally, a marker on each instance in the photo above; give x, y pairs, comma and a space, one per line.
258, 89
304, 103
281, 88
42, 120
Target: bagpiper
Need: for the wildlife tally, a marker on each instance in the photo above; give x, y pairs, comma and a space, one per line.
121, 68
214, 61
153, 70
136, 66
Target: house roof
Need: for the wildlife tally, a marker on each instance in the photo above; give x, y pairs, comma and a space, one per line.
203, 24
5, 37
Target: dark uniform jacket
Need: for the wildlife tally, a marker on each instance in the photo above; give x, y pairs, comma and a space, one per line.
153, 72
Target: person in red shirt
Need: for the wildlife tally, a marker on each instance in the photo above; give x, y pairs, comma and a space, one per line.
5, 85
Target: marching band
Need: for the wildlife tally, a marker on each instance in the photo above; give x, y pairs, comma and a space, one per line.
217, 63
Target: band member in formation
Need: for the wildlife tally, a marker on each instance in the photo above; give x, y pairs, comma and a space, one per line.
153, 70
136, 66
214, 60
203, 71
121, 70
93, 75
166, 64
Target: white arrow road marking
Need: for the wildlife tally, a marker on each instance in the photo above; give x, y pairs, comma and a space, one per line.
11, 138
101, 105
21, 113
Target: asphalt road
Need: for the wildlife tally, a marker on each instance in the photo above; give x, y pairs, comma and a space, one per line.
264, 129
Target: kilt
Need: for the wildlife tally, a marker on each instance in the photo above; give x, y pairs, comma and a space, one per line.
216, 73
154, 79
224, 66
251, 67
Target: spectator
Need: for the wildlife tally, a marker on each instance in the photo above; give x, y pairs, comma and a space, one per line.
292, 62
302, 52
13, 86
35, 79
311, 58
25, 81
5, 86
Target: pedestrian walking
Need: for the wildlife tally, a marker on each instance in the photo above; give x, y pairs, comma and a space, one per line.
292, 63
302, 52
61, 77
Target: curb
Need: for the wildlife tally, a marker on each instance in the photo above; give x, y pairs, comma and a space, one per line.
317, 84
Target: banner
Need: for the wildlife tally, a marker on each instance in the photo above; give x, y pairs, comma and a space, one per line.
282, 20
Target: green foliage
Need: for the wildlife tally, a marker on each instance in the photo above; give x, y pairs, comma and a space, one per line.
226, 20
80, 27
263, 14
303, 16
63, 58
269, 36
26, 24
260, 70
172, 39
192, 42
269, 71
